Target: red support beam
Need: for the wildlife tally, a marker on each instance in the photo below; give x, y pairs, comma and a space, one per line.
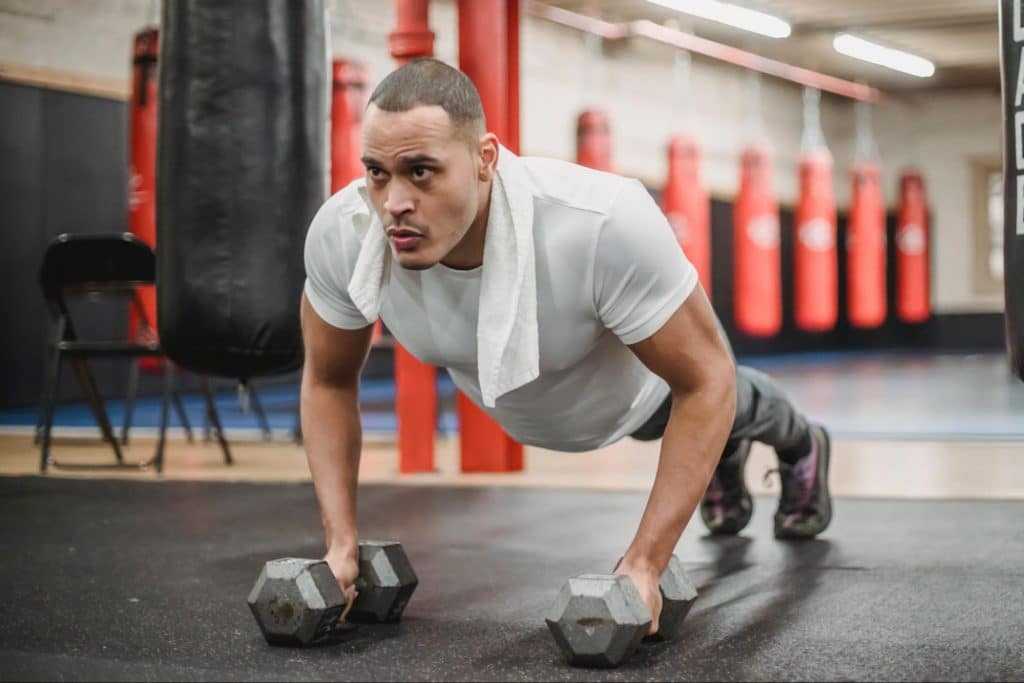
487, 46
412, 36
415, 382
512, 30
483, 55
708, 48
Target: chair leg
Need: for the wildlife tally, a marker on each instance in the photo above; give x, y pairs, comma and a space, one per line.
37, 436
129, 402
158, 458
205, 387
179, 408
261, 415
297, 430
49, 403
88, 383
214, 418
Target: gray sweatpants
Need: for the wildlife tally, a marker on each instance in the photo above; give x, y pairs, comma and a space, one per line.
763, 413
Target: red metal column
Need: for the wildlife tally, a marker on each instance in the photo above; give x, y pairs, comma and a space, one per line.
415, 382
347, 104
487, 46
412, 36
512, 29
142, 122
483, 54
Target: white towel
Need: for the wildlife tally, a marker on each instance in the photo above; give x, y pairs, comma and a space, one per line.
508, 354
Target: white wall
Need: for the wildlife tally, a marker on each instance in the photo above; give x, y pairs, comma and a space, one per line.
633, 83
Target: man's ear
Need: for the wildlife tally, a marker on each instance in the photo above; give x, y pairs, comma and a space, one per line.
488, 156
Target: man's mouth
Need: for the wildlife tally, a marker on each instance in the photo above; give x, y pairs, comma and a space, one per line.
404, 239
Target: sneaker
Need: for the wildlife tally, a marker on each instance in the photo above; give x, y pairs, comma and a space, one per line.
805, 506
727, 505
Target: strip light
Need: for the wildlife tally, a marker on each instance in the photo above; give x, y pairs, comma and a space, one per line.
858, 48
732, 15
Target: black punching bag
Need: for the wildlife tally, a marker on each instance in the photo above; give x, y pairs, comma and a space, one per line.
241, 170
1011, 32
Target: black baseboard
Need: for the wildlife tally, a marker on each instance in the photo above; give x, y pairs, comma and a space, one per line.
942, 332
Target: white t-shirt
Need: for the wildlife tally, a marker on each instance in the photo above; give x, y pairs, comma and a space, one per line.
609, 273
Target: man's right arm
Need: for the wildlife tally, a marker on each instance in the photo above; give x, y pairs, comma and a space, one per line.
332, 432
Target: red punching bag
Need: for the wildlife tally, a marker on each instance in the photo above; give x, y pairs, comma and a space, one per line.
913, 301
142, 108
685, 203
815, 266
865, 249
347, 105
594, 140
757, 282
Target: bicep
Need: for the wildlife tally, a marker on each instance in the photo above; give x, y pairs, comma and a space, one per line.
333, 355
687, 351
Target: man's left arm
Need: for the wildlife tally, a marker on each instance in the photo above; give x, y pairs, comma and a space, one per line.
688, 353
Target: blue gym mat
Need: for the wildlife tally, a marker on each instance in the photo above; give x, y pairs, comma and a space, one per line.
279, 403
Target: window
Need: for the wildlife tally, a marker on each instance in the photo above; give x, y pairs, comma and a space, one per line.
988, 226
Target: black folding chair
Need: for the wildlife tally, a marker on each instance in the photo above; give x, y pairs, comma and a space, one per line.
211, 423
111, 265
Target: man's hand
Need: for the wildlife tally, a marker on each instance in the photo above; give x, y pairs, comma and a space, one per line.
646, 581
345, 567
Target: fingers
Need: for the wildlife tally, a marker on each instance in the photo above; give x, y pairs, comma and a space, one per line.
350, 598
655, 619
655, 604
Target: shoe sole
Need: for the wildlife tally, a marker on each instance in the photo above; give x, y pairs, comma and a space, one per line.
734, 528
787, 534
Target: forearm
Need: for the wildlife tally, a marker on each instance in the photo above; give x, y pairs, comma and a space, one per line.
694, 438
332, 435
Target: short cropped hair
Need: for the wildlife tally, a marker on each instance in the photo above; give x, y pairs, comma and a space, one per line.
430, 82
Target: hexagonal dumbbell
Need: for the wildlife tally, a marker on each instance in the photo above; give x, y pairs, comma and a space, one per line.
386, 582
677, 597
601, 619
298, 601
598, 619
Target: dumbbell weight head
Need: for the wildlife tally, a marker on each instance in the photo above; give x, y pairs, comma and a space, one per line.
598, 619
296, 601
385, 584
677, 597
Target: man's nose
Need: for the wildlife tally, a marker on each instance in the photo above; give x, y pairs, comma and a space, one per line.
398, 200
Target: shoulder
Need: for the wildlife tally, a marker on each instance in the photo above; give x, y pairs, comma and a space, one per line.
574, 187
342, 220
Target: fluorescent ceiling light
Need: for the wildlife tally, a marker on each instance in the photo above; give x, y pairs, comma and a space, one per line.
858, 48
733, 15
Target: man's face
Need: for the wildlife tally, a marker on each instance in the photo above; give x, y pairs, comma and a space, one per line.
423, 180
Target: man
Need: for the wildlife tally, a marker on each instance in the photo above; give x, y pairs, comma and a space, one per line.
560, 303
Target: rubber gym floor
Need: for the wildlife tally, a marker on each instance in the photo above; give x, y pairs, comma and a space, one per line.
146, 578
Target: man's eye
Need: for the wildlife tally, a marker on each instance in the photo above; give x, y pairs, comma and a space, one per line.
420, 172
375, 173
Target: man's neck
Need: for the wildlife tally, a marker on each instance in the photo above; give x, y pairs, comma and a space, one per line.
469, 253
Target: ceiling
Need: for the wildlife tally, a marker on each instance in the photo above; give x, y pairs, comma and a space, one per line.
960, 36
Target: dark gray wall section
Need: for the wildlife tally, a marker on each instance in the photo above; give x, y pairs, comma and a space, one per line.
22, 217
64, 170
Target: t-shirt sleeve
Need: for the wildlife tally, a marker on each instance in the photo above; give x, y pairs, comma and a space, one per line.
641, 276
330, 256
